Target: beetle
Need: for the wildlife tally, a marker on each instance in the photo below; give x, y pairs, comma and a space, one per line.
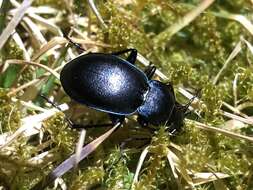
111, 84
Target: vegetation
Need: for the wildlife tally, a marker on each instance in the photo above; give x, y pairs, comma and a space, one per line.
197, 45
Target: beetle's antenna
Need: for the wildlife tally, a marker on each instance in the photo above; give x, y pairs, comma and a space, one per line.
57, 107
73, 43
185, 107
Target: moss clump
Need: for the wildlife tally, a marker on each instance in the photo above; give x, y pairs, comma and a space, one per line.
88, 178
208, 152
117, 174
10, 51
212, 97
153, 175
245, 88
61, 5
191, 58
10, 113
121, 32
61, 136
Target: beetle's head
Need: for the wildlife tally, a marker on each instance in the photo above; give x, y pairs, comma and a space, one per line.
176, 121
179, 112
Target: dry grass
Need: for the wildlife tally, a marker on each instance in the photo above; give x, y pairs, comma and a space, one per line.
205, 45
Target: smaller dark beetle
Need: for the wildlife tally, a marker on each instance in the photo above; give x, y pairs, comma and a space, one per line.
110, 84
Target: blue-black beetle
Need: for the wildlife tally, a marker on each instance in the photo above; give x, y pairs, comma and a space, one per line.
111, 84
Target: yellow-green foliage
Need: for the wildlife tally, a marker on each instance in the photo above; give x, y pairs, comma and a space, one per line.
88, 178
191, 59
11, 51
15, 168
121, 32
117, 174
9, 113
153, 176
60, 135
208, 152
52, 3
12, 74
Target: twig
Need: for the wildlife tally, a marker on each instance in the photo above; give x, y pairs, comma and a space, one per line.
239, 18
244, 105
22, 62
235, 89
140, 163
16, 37
181, 23
234, 109
79, 146
222, 131
15, 90
29, 123
96, 12
32, 82
233, 54
48, 46
70, 162
14, 21
29, 105
247, 120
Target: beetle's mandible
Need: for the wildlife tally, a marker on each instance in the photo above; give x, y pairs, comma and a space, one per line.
111, 84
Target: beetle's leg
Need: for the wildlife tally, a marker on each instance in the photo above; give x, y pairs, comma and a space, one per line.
57, 107
170, 86
79, 126
142, 121
150, 71
124, 51
173, 131
73, 43
117, 118
114, 118
131, 58
123, 144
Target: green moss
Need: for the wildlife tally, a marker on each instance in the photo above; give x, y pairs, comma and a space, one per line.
10, 113
117, 174
62, 137
123, 30
80, 7
10, 51
16, 169
245, 88
209, 152
61, 5
153, 175
190, 58
212, 97
87, 179
5, 7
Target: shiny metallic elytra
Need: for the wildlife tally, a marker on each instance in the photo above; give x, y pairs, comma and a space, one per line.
105, 82
108, 83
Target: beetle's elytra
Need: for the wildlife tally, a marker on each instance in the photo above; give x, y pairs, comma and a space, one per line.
110, 84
